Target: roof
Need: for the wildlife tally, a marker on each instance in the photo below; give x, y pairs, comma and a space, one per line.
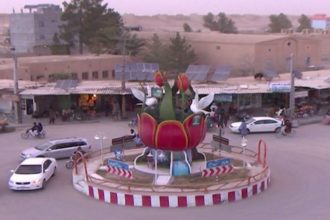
215, 37
238, 85
34, 160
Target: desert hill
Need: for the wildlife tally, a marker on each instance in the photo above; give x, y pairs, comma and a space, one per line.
244, 23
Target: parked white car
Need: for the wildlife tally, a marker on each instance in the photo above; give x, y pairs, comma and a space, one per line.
32, 173
258, 124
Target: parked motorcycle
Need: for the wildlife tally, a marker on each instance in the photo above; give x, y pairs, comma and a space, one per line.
27, 135
326, 118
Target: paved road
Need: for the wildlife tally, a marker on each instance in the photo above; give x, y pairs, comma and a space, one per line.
299, 187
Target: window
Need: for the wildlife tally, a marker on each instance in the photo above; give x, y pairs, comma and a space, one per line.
105, 74
95, 75
270, 122
46, 164
260, 122
84, 75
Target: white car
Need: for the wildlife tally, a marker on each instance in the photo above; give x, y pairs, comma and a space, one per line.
32, 173
59, 148
258, 124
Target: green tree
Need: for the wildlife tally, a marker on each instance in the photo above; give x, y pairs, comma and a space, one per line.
57, 48
180, 54
90, 23
187, 28
209, 22
304, 23
223, 23
156, 52
279, 22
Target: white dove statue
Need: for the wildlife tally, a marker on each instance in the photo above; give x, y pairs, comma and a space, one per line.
147, 99
197, 105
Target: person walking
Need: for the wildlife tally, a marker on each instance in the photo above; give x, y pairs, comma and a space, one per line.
243, 130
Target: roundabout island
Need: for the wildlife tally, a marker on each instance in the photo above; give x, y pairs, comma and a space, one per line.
168, 164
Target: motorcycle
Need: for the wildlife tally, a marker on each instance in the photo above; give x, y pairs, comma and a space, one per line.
326, 119
30, 134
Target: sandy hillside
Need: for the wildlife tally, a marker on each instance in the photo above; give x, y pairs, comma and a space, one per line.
244, 23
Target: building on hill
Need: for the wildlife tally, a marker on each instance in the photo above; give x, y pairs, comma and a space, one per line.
33, 31
248, 54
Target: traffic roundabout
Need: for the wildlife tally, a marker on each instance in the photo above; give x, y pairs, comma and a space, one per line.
143, 186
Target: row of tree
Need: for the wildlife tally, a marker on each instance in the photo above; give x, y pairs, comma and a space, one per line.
223, 24
92, 25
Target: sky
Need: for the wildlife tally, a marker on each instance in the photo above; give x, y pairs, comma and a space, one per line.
186, 7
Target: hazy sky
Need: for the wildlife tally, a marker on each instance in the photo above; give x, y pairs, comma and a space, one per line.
152, 7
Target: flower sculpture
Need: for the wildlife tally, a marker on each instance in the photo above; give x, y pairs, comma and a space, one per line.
169, 126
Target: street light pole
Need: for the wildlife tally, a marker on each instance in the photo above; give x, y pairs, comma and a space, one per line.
292, 88
123, 80
17, 109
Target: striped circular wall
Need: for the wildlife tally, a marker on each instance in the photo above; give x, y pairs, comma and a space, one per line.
166, 200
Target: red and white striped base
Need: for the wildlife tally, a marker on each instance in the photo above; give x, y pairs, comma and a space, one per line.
120, 172
217, 170
170, 199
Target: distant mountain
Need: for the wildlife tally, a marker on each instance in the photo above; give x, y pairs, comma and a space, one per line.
244, 23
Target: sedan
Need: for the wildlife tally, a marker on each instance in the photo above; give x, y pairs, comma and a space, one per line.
258, 124
32, 173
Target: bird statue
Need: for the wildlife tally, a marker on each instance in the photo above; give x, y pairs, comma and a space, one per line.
197, 105
147, 99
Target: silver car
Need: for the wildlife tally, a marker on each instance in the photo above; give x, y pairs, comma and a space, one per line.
60, 148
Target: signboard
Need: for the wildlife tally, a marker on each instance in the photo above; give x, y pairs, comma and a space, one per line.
216, 163
118, 164
220, 139
301, 94
156, 92
279, 87
223, 98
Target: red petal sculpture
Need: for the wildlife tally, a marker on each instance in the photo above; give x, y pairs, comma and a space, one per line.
147, 128
195, 132
159, 78
171, 135
182, 82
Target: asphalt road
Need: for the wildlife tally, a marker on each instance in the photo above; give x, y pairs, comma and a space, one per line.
299, 182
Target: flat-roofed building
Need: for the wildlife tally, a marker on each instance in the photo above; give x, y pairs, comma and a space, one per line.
247, 53
51, 68
35, 29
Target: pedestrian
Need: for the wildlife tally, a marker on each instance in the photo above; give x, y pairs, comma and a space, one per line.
243, 130
52, 116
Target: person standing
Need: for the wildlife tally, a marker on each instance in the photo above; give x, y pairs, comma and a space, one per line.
52, 115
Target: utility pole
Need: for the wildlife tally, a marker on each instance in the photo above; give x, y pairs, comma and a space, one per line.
123, 80
292, 88
17, 109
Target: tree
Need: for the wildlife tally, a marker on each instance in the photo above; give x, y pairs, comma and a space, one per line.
279, 22
156, 52
209, 22
90, 23
223, 24
304, 23
57, 48
180, 54
187, 28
